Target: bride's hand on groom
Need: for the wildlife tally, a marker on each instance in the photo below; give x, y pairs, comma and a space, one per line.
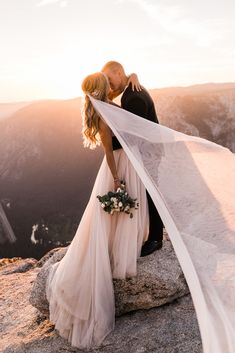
134, 81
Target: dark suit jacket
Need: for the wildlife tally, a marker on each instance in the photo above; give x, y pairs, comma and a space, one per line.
139, 103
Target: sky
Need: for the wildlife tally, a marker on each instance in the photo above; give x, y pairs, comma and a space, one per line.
49, 46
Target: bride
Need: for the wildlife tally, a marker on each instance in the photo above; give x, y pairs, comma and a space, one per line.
79, 287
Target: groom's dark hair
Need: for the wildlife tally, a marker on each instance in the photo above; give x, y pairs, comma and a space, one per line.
113, 66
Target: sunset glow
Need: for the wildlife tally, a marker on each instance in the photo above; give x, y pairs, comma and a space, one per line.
48, 46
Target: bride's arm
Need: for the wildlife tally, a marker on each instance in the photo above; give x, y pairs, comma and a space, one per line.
106, 139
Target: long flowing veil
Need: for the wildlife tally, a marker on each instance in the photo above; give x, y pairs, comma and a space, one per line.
192, 183
6, 231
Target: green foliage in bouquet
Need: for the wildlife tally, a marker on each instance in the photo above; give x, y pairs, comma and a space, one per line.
118, 201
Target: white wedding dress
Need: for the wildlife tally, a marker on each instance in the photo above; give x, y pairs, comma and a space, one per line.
192, 183
80, 287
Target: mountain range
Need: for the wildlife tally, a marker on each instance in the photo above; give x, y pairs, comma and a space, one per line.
205, 110
46, 175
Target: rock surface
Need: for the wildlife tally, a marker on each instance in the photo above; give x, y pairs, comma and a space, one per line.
16, 265
170, 328
159, 281
38, 294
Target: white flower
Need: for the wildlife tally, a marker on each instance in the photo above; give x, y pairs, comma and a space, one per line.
120, 204
103, 205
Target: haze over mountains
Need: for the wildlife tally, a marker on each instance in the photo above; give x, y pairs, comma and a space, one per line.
8, 109
205, 110
46, 175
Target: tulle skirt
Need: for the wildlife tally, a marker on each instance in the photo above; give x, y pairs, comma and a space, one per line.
80, 287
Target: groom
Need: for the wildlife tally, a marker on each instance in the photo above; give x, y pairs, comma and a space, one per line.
139, 103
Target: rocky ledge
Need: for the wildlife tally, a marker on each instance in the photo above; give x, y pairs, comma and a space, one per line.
154, 310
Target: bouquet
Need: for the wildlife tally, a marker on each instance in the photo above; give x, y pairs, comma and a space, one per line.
118, 201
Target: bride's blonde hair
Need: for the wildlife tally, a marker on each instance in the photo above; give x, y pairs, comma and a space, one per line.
97, 86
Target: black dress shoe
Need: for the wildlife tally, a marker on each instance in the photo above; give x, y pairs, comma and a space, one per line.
149, 247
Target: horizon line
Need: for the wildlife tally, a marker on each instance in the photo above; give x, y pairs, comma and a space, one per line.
149, 89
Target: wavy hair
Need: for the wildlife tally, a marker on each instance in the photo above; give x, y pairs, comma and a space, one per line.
97, 86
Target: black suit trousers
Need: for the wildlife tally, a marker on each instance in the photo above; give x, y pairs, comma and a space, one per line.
155, 222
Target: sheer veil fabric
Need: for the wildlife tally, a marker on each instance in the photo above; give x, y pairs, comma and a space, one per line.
7, 234
192, 183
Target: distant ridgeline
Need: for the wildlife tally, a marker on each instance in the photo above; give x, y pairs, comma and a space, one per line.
46, 175
206, 110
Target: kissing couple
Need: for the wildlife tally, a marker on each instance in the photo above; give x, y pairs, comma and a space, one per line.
80, 287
